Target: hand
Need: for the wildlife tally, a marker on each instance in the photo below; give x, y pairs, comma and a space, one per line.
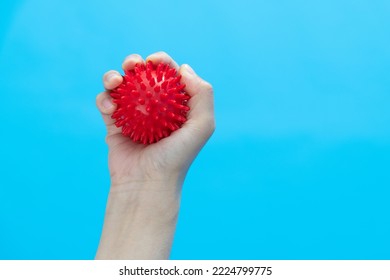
146, 181
170, 157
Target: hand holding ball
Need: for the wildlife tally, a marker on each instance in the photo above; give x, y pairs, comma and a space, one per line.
151, 103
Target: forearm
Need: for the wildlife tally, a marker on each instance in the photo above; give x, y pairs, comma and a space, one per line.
140, 220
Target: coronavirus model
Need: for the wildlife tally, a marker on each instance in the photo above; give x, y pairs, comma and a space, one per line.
151, 102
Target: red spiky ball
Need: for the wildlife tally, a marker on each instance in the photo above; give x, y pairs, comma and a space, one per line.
151, 102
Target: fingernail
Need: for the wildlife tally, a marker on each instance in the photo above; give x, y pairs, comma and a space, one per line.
190, 70
111, 76
107, 104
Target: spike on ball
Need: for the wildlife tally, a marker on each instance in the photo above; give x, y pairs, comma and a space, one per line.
151, 102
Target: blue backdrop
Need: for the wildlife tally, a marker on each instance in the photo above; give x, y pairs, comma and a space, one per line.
298, 167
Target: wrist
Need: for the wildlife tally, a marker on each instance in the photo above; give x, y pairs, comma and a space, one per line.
140, 220
158, 198
141, 180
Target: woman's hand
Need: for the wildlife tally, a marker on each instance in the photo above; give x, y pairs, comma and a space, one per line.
171, 156
146, 181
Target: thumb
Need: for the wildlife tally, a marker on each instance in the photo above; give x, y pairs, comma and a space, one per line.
106, 108
201, 115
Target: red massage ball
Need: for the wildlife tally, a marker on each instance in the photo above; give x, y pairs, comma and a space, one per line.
151, 102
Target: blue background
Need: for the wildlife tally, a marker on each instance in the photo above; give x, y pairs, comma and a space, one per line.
298, 167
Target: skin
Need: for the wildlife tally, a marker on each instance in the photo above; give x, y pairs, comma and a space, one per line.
146, 181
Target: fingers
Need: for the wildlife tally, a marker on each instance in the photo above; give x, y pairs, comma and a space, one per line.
158, 57
106, 108
112, 79
194, 84
105, 104
200, 123
162, 57
201, 115
201, 103
131, 61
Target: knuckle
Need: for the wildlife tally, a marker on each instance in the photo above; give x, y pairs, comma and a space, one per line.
110, 137
110, 72
98, 99
207, 87
133, 56
162, 53
107, 75
208, 125
211, 126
